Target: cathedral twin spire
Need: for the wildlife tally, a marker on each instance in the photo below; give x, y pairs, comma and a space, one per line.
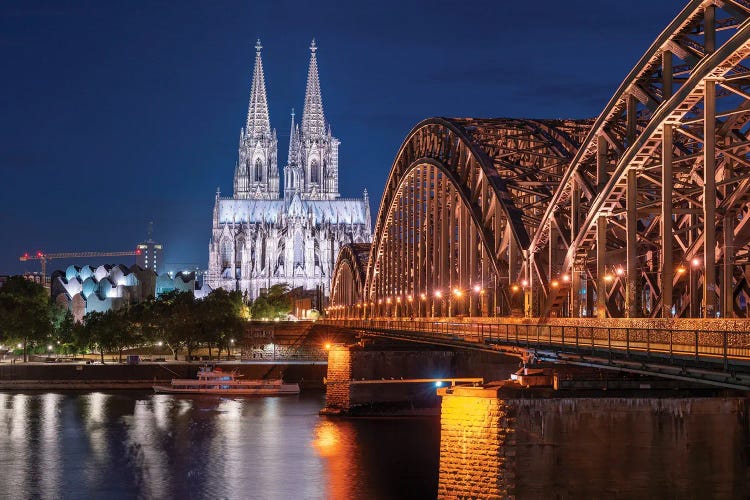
312, 167
258, 122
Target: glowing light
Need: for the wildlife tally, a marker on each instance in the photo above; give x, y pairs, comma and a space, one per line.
439, 383
231, 340
380, 301
554, 284
477, 288
457, 292
619, 271
695, 262
409, 298
515, 288
398, 300
438, 294
328, 346
681, 270
423, 296
565, 278
608, 277
49, 347
19, 345
525, 283
160, 343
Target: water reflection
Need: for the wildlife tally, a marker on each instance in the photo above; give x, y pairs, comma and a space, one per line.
141, 445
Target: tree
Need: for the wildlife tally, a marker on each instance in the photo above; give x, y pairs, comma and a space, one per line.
25, 312
275, 304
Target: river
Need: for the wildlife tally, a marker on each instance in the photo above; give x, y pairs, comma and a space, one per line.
133, 444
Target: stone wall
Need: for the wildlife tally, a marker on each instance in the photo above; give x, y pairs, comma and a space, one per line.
338, 379
503, 442
477, 444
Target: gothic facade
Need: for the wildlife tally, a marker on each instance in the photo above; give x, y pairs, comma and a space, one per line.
261, 237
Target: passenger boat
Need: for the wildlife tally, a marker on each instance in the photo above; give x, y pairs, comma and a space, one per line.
216, 381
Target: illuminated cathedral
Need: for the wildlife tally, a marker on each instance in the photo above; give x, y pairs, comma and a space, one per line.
261, 236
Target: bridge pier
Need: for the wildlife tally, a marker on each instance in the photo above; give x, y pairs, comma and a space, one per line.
393, 378
501, 441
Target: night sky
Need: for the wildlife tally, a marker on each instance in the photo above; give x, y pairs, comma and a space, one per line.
114, 115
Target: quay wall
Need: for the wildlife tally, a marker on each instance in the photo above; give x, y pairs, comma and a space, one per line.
121, 376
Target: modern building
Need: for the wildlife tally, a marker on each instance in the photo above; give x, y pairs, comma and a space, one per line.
261, 236
86, 289
150, 253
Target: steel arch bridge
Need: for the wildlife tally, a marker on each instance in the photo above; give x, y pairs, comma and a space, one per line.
642, 212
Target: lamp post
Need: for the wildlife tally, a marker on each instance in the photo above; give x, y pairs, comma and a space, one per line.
695, 305
439, 297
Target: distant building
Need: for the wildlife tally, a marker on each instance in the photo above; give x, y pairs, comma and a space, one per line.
181, 281
267, 234
86, 289
150, 253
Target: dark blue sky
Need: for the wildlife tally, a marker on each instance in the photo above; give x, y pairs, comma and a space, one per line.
114, 115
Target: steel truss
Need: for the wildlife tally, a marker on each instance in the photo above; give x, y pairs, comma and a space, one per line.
642, 212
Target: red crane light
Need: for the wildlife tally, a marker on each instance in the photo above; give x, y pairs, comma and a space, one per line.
39, 254
138, 251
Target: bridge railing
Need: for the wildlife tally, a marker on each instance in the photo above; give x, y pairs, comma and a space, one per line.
698, 345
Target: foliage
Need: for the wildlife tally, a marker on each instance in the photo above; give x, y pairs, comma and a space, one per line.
276, 303
25, 312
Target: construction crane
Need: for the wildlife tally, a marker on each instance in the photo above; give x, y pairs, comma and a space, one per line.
44, 257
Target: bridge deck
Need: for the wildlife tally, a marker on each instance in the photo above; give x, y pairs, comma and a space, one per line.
709, 356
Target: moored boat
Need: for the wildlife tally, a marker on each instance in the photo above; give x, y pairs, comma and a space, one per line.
216, 381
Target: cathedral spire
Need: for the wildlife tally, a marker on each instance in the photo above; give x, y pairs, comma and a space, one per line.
258, 122
313, 121
292, 148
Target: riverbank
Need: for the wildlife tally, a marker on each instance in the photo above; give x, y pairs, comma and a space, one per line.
80, 376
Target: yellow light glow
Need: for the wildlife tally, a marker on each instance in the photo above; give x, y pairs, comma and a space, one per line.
457, 292
554, 284
515, 288
438, 294
477, 288
608, 277
328, 346
681, 270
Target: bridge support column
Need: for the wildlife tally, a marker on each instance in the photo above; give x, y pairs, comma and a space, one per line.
667, 186
709, 200
601, 270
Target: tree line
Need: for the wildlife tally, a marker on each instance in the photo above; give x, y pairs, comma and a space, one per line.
175, 320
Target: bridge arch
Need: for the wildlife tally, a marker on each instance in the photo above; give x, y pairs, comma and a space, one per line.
668, 161
460, 203
348, 281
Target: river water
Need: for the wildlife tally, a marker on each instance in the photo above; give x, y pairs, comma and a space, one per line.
132, 444
136, 444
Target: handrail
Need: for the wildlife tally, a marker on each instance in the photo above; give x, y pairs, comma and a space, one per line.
693, 344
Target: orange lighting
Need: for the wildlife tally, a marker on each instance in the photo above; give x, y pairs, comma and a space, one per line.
438, 293
681, 270
525, 283
457, 292
409, 298
328, 345
565, 278
423, 296
554, 284
388, 300
477, 288
608, 277
695, 262
398, 299
515, 288
619, 271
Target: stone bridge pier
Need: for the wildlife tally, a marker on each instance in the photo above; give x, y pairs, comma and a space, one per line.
393, 378
500, 441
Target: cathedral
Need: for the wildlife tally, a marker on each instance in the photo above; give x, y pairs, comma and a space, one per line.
261, 236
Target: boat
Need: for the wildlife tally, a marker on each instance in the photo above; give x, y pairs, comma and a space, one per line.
212, 380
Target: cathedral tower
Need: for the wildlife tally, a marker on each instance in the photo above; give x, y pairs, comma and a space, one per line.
256, 175
316, 151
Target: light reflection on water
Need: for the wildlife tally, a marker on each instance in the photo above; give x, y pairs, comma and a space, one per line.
140, 445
